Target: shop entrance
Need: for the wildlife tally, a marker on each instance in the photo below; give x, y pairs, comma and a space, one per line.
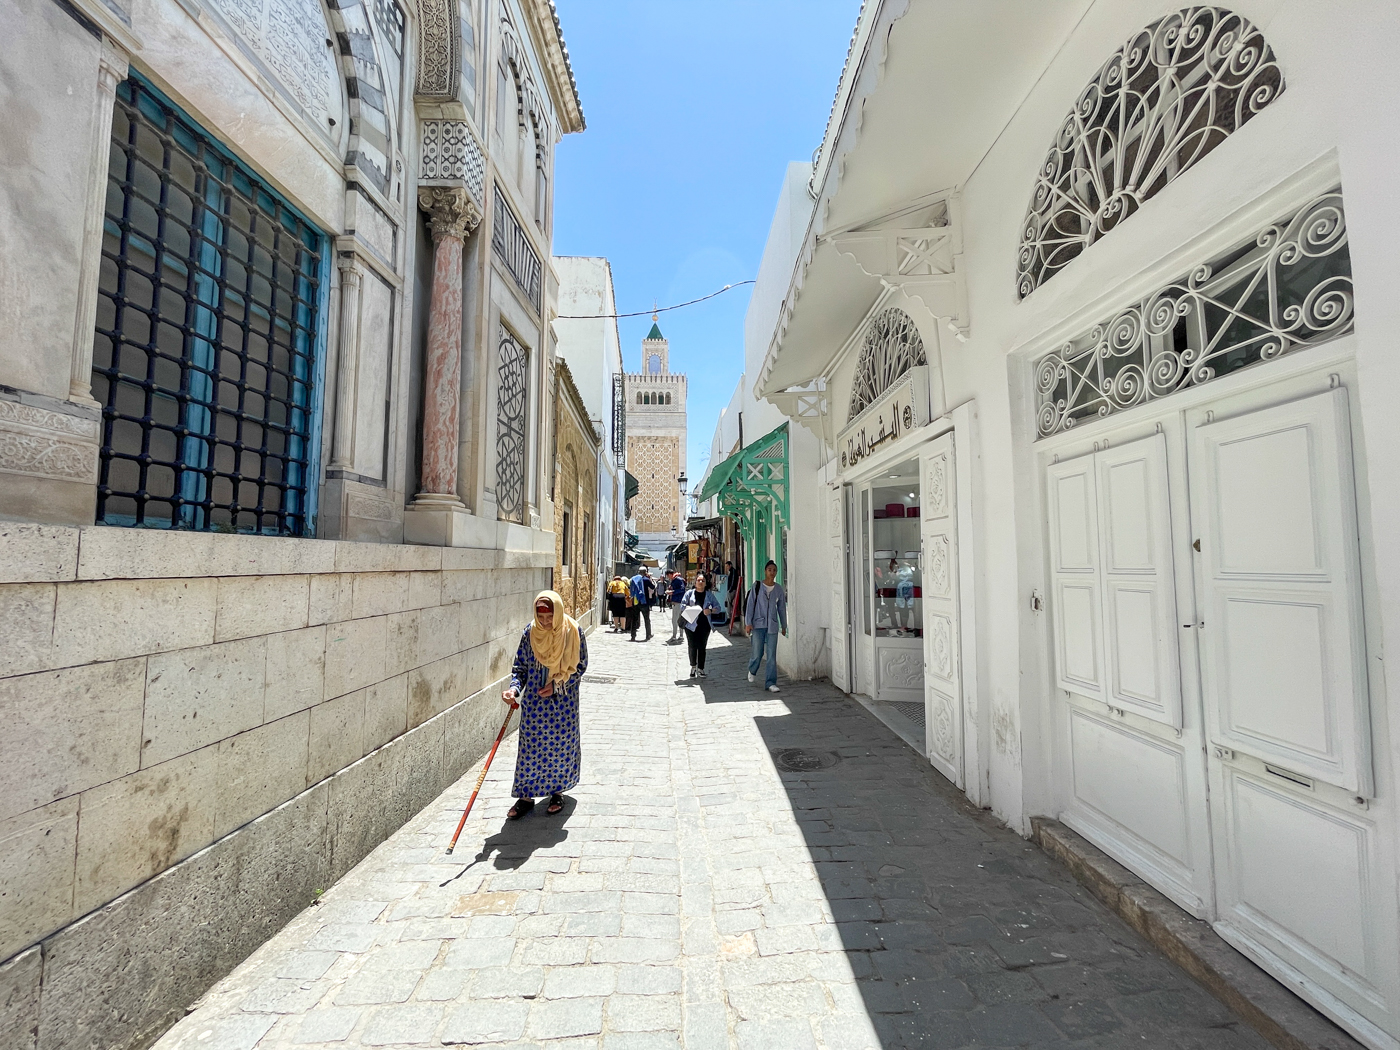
904, 613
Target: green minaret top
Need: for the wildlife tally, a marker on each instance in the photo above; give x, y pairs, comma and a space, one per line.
655, 332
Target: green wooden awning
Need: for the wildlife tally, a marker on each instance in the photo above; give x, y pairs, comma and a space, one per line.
752, 486
632, 487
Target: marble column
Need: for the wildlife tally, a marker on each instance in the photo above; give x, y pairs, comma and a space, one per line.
347, 361
452, 215
111, 70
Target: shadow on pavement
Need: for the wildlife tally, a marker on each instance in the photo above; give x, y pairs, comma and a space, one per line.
959, 932
517, 840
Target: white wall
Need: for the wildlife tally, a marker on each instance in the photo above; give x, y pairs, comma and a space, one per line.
590, 346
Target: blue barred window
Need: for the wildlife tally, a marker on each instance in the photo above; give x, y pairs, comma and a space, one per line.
207, 359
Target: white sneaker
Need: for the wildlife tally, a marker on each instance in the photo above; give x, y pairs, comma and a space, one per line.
774, 689
751, 678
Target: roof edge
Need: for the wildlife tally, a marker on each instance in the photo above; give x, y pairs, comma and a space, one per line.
543, 17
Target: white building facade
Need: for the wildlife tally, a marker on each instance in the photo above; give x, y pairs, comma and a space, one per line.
1090, 318
275, 461
586, 328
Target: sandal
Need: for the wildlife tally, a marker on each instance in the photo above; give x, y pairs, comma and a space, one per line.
521, 807
556, 805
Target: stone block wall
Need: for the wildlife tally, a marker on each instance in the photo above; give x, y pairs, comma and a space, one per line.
201, 730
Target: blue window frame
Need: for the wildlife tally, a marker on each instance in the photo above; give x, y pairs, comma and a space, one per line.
209, 355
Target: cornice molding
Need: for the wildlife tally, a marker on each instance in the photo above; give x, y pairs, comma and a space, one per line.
544, 27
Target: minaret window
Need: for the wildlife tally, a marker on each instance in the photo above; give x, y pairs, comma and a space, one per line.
654, 364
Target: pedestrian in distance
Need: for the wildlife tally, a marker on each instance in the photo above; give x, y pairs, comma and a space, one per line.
544, 683
696, 606
765, 614
617, 603
643, 592
677, 595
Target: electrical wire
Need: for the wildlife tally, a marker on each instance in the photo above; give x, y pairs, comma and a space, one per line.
654, 311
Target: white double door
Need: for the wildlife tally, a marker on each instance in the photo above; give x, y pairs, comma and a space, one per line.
1209, 637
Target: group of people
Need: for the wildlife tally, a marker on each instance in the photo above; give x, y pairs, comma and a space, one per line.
553, 656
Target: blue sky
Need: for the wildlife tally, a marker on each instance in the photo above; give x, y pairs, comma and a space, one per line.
694, 110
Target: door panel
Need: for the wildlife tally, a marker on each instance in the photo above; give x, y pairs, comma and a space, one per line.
1143, 664
942, 679
839, 637
1282, 647
1152, 803
1074, 567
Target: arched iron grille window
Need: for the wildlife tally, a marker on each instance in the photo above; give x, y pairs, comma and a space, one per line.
207, 325
514, 377
892, 346
1172, 93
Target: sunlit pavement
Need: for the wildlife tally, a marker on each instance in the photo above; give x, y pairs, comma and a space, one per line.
692, 894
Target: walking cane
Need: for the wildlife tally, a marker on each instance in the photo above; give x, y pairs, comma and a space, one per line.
481, 779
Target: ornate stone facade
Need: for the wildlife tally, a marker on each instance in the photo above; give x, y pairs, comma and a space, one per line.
575, 499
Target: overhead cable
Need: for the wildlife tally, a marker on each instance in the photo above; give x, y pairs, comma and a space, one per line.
655, 310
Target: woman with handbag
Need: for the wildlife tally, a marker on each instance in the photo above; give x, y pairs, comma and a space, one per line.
696, 607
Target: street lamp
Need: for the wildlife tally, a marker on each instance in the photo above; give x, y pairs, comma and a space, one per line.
684, 507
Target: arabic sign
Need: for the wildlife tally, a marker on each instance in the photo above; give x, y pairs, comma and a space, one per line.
900, 409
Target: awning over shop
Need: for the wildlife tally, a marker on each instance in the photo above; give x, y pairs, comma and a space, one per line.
752, 487
718, 476
703, 524
633, 486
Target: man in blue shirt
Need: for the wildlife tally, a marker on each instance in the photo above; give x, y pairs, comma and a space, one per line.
643, 591
765, 614
677, 592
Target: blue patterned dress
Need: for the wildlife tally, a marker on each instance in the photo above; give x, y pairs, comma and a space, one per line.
547, 762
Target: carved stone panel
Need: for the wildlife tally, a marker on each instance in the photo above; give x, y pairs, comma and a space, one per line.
286, 39
44, 444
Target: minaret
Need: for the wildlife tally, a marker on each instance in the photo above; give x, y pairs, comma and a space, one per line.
654, 351
656, 435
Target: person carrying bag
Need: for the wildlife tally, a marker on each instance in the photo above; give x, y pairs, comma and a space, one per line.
695, 616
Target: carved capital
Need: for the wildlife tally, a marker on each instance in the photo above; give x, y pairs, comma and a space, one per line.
451, 211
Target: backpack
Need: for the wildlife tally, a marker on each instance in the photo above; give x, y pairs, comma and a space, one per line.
650, 586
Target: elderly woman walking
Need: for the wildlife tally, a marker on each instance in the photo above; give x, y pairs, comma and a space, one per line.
544, 681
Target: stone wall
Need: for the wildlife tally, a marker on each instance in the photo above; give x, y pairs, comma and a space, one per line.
575, 490
201, 730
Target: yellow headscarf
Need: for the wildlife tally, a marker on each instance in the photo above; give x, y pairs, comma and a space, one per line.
557, 648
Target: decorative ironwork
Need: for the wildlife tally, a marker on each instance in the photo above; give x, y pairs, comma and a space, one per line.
512, 246
207, 328
511, 409
619, 434
892, 346
1172, 93
1289, 286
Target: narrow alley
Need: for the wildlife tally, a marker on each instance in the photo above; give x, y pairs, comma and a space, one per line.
737, 869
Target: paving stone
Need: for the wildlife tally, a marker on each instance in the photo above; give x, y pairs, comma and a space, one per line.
558, 1018
326, 1026
375, 987
400, 1025
571, 982
693, 897
487, 1021
644, 1013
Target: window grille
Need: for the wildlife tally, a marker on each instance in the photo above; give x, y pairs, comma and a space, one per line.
1285, 288
892, 346
566, 539
619, 435
205, 358
1172, 93
512, 245
514, 384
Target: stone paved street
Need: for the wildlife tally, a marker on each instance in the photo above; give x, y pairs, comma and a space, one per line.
693, 895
